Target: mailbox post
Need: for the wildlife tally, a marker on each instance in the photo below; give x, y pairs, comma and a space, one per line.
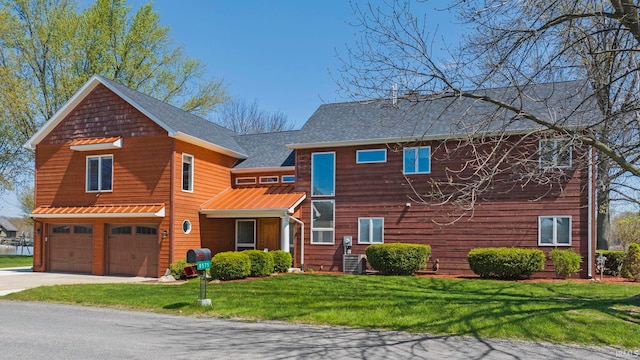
202, 259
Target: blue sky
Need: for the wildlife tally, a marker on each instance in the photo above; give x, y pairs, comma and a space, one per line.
281, 53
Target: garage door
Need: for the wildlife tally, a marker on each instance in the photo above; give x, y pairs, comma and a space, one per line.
133, 250
71, 248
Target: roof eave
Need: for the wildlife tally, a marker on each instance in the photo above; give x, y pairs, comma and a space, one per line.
262, 169
245, 213
207, 145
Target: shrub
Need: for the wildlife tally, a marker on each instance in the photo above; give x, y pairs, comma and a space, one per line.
631, 263
398, 259
614, 261
282, 260
506, 263
565, 262
261, 263
230, 265
177, 269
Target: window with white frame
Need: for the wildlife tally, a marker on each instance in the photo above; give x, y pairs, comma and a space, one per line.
554, 153
371, 156
245, 180
268, 179
187, 173
370, 230
417, 160
288, 179
99, 173
322, 221
245, 235
554, 230
323, 174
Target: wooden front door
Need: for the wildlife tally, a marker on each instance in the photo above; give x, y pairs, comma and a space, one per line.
268, 234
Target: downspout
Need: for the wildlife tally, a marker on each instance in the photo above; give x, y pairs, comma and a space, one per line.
172, 200
590, 217
301, 241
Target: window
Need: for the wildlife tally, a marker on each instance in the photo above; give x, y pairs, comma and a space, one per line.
79, 229
370, 230
245, 180
555, 153
554, 230
371, 156
99, 173
245, 234
187, 173
417, 160
63, 229
322, 216
146, 230
268, 179
323, 171
186, 226
121, 230
288, 179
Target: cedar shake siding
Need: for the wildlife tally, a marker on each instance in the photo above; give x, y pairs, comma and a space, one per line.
380, 190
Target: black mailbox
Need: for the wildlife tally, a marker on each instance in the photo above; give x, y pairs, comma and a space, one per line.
195, 255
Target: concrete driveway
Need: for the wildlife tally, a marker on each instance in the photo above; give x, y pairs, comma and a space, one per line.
18, 279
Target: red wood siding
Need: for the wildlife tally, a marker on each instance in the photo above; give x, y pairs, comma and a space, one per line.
218, 235
381, 190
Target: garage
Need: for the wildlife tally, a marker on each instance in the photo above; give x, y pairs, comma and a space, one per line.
71, 248
132, 250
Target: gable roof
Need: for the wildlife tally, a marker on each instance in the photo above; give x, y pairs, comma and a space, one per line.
267, 150
178, 123
7, 225
419, 117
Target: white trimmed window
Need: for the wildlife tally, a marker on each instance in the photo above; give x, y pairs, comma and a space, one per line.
554, 231
417, 160
370, 230
371, 156
323, 174
268, 179
286, 179
322, 221
554, 153
187, 173
245, 235
99, 173
245, 180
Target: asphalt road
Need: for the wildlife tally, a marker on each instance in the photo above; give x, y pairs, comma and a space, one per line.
51, 331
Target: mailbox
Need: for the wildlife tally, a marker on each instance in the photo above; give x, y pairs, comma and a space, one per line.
195, 255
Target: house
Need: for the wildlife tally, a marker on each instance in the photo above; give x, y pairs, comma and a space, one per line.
7, 229
126, 184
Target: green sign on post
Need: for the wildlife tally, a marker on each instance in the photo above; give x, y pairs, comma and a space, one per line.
203, 265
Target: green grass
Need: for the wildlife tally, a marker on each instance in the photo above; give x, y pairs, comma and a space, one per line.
558, 312
15, 261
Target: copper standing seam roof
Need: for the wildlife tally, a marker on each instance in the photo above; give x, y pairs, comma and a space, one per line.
253, 199
115, 210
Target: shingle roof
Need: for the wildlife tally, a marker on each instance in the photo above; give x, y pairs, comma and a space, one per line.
180, 120
267, 150
408, 119
7, 225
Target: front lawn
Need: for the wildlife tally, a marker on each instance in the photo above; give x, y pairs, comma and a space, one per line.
558, 312
7, 261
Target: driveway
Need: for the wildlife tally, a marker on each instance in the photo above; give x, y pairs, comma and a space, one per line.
18, 279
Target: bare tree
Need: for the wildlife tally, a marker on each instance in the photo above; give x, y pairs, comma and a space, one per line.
247, 118
515, 45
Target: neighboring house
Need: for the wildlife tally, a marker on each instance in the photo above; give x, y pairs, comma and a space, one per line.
7, 229
126, 184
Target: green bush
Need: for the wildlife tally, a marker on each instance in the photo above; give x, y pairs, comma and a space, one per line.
565, 262
177, 269
613, 264
230, 265
631, 263
506, 263
261, 263
398, 259
282, 261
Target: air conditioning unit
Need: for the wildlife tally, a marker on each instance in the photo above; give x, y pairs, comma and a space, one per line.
353, 263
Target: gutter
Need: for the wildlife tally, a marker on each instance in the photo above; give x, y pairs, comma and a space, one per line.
590, 217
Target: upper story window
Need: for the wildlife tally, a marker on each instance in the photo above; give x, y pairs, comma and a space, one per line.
371, 156
555, 153
99, 173
288, 179
417, 160
323, 174
187, 173
268, 179
554, 230
245, 180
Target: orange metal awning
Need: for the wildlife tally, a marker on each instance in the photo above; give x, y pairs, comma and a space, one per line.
271, 201
100, 211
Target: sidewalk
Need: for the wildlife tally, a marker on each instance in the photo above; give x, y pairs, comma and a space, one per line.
21, 278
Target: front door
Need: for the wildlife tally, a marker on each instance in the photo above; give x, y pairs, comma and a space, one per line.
268, 234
